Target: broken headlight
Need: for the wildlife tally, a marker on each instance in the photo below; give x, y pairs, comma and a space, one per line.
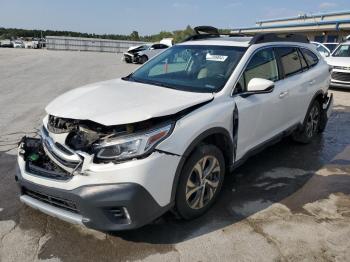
132, 146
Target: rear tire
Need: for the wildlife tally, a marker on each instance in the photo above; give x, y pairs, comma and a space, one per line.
200, 181
311, 125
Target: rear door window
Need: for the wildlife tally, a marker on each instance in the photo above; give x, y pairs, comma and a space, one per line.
290, 60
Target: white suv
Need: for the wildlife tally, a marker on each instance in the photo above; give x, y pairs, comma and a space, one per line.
117, 154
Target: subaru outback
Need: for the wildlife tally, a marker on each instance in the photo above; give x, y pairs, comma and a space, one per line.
118, 154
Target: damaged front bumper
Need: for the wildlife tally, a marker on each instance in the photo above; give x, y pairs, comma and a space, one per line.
129, 58
105, 197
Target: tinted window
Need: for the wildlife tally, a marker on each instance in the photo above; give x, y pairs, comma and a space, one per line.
310, 57
262, 65
290, 60
161, 46
155, 46
304, 65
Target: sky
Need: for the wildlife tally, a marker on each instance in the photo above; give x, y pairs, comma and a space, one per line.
152, 16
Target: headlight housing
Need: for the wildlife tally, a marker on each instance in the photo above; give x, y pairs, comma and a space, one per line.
132, 146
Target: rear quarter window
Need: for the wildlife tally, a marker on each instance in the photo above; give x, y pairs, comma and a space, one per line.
310, 57
290, 60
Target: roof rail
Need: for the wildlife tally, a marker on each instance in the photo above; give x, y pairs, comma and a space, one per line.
272, 37
205, 32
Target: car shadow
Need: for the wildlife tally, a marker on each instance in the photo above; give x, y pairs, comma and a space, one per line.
283, 173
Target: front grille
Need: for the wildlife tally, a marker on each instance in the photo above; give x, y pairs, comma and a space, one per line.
63, 149
71, 164
341, 76
51, 200
342, 67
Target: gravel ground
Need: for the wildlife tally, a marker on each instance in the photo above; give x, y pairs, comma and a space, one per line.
288, 203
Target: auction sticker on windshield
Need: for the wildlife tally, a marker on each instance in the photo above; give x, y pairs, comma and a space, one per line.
217, 58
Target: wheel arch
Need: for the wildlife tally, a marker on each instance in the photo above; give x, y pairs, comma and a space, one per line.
318, 96
217, 136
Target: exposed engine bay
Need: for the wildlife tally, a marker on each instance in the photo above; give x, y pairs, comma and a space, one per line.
84, 134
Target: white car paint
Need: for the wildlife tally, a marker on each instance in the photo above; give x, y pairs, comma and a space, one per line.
338, 61
115, 102
167, 41
340, 69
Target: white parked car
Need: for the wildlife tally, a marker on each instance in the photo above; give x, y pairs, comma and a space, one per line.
117, 154
322, 49
128, 56
141, 54
144, 55
340, 63
18, 44
331, 46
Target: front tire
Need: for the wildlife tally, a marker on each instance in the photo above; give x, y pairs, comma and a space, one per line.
143, 59
311, 125
200, 181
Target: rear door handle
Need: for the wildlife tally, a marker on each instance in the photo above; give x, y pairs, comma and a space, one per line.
283, 94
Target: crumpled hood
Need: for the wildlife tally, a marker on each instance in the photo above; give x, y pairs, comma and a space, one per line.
116, 102
338, 61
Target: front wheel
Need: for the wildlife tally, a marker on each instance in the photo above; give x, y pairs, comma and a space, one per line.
143, 59
310, 126
200, 181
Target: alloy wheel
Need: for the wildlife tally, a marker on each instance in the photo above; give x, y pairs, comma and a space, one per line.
203, 182
313, 121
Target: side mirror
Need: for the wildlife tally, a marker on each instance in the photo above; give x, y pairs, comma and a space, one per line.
260, 85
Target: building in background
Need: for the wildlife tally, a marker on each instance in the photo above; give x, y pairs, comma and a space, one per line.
323, 27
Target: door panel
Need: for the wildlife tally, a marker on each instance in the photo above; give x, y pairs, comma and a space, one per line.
260, 115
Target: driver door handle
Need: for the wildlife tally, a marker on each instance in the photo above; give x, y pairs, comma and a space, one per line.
283, 94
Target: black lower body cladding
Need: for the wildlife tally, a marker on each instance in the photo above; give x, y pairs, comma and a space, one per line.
107, 207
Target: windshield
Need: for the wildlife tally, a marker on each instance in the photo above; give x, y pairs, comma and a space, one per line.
140, 48
342, 51
190, 68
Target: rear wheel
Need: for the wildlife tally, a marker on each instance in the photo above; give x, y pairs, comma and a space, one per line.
311, 124
200, 181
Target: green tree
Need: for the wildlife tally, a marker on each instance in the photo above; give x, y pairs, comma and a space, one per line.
134, 36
